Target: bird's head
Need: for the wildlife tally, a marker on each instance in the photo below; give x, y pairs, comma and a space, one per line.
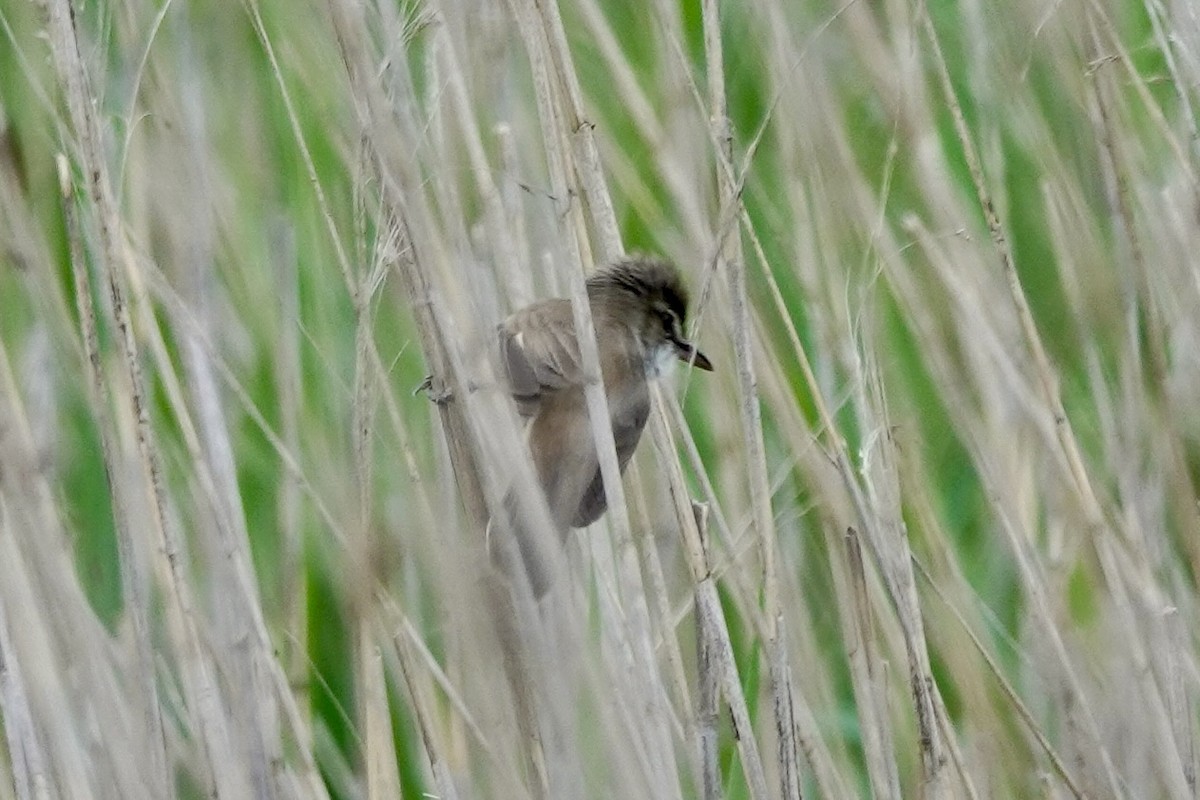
649, 297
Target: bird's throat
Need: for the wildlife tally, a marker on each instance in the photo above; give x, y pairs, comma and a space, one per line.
661, 361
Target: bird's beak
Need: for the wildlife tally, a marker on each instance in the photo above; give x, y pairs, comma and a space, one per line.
688, 352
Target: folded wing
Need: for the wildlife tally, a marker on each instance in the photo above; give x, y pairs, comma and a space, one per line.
539, 353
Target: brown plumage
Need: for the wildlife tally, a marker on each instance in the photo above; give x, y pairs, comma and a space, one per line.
638, 308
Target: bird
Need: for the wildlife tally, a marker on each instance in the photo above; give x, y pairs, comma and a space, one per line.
639, 306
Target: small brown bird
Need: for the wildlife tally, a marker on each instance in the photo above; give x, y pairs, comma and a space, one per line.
638, 309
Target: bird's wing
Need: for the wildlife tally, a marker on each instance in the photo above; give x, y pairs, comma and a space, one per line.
539, 353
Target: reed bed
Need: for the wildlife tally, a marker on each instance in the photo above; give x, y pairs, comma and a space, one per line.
931, 528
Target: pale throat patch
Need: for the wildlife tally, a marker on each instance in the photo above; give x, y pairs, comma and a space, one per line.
662, 361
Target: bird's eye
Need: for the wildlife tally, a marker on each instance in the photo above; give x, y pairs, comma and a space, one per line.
670, 322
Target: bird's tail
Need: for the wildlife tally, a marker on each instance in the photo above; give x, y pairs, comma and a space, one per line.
525, 544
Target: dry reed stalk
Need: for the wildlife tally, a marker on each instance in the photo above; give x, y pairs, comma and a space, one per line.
54, 627
426, 724
222, 767
132, 581
1045, 372
729, 249
1028, 563
711, 623
1010, 694
865, 664
708, 683
381, 777
29, 779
